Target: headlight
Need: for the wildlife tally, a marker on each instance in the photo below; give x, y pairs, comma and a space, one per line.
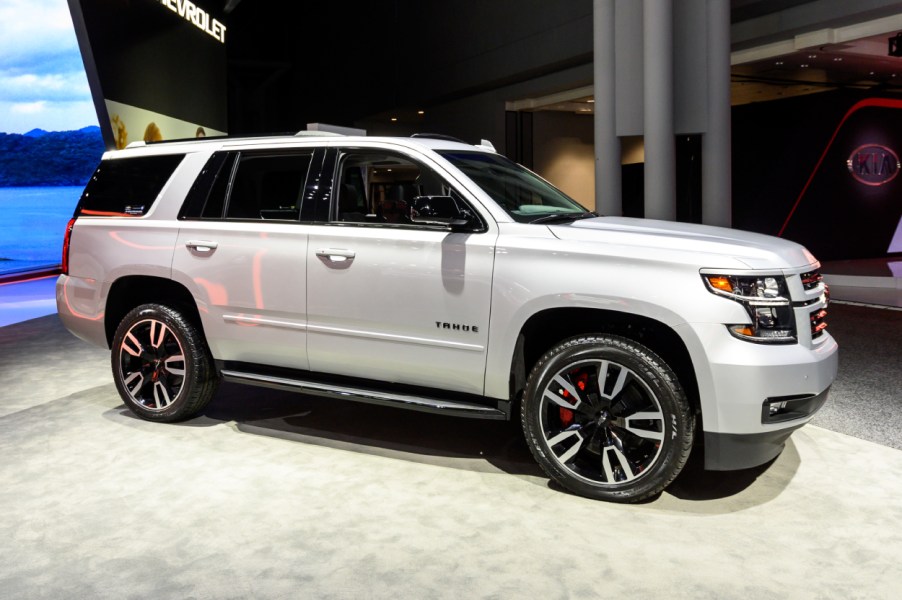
765, 298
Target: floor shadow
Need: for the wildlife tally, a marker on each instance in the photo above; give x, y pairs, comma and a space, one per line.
372, 429
694, 483
469, 444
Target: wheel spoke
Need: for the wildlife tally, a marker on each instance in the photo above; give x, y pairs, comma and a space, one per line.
160, 392
131, 345
179, 358
621, 460
158, 333
128, 382
569, 388
603, 377
571, 451
645, 433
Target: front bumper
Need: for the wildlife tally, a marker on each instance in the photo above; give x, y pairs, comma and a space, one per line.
737, 382
731, 451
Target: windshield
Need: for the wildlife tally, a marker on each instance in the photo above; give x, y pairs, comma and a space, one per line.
524, 195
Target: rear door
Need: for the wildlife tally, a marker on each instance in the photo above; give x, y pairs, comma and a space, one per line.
241, 251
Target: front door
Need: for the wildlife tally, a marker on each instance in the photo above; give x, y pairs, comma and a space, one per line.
391, 300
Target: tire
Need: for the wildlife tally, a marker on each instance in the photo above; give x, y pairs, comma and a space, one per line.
161, 365
589, 439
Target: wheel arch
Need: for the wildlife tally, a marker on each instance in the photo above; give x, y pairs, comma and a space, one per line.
548, 327
133, 290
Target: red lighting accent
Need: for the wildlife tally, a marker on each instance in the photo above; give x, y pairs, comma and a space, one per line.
104, 213
66, 239
816, 278
868, 103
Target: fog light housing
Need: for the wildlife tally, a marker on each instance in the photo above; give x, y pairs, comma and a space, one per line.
774, 408
779, 409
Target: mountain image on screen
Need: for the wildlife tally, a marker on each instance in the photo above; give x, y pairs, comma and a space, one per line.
49, 158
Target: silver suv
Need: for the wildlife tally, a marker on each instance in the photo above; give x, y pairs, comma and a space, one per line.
432, 275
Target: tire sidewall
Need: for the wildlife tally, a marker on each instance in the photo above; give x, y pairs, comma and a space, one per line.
678, 423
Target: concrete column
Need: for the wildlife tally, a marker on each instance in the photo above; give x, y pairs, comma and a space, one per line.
660, 151
608, 191
717, 178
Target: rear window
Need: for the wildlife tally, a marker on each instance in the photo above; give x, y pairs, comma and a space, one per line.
127, 187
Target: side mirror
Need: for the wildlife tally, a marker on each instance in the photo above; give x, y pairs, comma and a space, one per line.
441, 211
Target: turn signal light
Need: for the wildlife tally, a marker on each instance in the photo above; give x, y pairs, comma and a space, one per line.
721, 283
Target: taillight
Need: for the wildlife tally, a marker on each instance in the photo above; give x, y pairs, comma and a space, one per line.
66, 239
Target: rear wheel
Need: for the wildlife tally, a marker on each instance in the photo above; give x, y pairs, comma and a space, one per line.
606, 418
161, 364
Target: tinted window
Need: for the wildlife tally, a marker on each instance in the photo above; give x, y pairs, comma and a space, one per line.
378, 187
267, 187
207, 195
127, 187
523, 194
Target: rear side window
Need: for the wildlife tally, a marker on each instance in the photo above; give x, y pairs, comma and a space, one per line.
249, 186
127, 187
268, 187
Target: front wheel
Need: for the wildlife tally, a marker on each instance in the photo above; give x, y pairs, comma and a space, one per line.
606, 418
161, 364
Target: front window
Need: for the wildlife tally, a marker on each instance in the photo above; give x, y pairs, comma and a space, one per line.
524, 195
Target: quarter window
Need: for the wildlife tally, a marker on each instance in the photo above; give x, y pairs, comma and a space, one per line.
127, 187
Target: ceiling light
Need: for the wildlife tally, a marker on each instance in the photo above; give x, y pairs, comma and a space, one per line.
805, 65
779, 62
837, 59
421, 112
591, 100
812, 56
394, 119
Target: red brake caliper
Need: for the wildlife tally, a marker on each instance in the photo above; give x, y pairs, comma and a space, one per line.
565, 413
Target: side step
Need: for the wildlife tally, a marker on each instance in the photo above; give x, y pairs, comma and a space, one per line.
440, 406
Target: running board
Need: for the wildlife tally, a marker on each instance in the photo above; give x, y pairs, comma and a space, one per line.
440, 406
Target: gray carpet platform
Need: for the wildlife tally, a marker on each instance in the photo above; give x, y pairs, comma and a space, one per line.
274, 495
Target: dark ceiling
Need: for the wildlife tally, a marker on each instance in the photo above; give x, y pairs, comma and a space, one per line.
291, 63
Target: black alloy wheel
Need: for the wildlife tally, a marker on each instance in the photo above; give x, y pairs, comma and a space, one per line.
161, 364
606, 418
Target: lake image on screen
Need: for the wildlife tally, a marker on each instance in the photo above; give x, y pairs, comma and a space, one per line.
32, 223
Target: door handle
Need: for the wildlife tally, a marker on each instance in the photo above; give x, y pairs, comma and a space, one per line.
201, 246
336, 255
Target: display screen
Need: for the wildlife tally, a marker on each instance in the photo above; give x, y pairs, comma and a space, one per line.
157, 68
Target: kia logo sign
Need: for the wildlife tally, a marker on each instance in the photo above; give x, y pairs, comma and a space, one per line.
873, 164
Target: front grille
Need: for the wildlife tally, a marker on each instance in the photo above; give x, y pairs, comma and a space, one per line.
818, 323
811, 280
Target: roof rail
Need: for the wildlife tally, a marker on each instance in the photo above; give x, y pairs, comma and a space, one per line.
306, 133
438, 136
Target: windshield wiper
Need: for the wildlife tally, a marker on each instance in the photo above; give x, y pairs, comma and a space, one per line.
564, 217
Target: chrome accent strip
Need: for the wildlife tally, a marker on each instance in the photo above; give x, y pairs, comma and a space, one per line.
264, 322
365, 395
390, 337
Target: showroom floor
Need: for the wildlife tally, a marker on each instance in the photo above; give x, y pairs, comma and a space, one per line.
272, 495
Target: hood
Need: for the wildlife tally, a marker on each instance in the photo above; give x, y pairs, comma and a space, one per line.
752, 250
